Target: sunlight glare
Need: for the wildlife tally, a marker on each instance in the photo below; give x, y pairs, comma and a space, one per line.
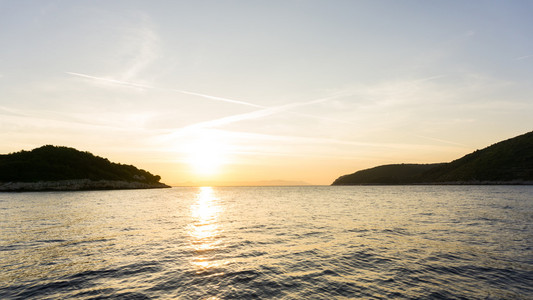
207, 153
204, 230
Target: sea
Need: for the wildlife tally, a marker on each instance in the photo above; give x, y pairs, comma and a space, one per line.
306, 242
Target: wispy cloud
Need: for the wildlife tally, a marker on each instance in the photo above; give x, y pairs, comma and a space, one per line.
470, 33
143, 44
246, 143
430, 78
400, 91
314, 140
6, 111
256, 114
524, 57
231, 119
41, 116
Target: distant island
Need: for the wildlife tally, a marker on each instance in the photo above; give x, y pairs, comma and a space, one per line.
58, 168
506, 162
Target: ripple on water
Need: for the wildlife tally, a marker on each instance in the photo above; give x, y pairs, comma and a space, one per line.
260, 243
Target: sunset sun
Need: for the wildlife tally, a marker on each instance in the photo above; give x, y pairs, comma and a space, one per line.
206, 154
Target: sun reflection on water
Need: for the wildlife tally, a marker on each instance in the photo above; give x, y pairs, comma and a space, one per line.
204, 229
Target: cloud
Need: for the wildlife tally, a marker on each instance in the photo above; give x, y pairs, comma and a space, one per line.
11, 112
524, 57
246, 143
470, 33
389, 96
402, 92
255, 114
144, 47
231, 119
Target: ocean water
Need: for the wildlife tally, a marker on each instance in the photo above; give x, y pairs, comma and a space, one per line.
371, 242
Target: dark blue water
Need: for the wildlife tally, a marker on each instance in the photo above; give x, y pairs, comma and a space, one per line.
403, 242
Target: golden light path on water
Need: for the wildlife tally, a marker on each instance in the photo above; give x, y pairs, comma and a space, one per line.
204, 229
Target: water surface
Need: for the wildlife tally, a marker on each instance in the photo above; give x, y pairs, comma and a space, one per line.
382, 242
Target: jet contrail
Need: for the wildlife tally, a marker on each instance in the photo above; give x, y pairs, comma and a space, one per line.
226, 120
131, 84
111, 80
255, 114
440, 140
218, 98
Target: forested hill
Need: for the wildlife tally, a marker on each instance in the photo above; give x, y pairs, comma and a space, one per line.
507, 162
55, 163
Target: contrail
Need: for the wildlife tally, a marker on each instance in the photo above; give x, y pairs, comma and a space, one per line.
440, 140
255, 114
227, 120
429, 78
111, 80
218, 98
131, 84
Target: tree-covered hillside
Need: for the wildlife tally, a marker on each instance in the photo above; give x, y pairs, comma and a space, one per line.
52, 163
509, 161
387, 174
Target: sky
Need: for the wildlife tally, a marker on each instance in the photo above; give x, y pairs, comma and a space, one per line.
254, 92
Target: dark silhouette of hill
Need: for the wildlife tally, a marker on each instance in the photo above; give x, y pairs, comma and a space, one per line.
386, 174
56, 163
509, 161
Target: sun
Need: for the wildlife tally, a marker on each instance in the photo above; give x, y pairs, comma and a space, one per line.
206, 153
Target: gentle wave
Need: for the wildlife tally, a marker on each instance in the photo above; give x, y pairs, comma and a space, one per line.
270, 243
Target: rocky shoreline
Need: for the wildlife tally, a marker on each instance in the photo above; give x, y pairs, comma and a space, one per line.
77, 185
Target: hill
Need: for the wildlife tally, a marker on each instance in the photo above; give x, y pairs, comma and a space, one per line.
387, 174
63, 168
506, 162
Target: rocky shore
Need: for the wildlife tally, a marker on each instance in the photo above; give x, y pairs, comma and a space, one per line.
77, 185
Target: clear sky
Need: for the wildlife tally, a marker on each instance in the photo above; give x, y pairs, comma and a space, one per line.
215, 92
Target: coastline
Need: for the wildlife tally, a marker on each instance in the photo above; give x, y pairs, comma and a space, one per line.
77, 185
511, 182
